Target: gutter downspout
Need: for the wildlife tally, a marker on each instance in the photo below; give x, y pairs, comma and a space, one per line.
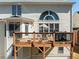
71, 21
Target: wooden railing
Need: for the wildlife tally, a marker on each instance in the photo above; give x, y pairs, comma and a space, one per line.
36, 35
41, 42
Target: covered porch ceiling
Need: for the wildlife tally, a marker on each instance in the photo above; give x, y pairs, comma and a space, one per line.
18, 19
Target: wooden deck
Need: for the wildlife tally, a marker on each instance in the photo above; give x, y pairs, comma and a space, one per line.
34, 42
23, 44
43, 44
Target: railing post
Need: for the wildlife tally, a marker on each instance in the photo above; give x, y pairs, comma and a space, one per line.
13, 38
14, 52
71, 53
76, 37
44, 52
73, 43
34, 36
14, 46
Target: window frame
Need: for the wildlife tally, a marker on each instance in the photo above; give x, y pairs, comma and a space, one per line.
53, 15
27, 29
14, 25
13, 10
16, 10
60, 50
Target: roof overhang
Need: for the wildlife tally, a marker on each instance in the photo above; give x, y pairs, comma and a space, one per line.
18, 19
49, 3
37, 3
2, 21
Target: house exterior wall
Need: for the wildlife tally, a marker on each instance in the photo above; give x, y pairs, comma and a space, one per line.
5, 11
2, 41
34, 12
63, 12
76, 20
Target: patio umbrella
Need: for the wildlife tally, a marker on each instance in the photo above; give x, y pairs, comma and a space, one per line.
44, 26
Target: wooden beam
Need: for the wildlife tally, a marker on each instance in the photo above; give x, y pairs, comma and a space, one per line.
23, 44
19, 49
44, 52
76, 37
62, 45
47, 50
14, 52
72, 45
31, 52
71, 53
14, 39
40, 49
44, 32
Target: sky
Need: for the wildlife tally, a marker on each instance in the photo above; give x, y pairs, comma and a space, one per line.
75, 6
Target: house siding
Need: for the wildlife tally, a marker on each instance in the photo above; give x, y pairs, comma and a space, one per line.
76, 20
5, 11
63, 12
2, 41
34, 12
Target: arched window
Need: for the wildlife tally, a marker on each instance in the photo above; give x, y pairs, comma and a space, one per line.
49, 15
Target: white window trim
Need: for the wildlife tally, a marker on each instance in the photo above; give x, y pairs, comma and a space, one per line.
48, 21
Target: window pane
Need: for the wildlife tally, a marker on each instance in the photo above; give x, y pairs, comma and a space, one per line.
11, 33
18, 9
57, 27
17, 26
26, 28
14, 10
51, 27
43, 15
61, 37
45, 28
54, 15
11, 29
60, 50
40, 28
49, 18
